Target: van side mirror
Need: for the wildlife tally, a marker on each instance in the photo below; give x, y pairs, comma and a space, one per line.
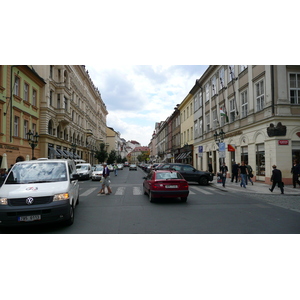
74, 176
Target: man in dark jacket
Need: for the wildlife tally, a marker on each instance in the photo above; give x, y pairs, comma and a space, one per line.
276, 178
296, 173
235, 172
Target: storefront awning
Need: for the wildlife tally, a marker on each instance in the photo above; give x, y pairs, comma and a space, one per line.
54, 153
62, 153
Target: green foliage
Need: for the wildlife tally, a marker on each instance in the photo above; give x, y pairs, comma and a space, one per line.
143, 157
101, 154
112, 157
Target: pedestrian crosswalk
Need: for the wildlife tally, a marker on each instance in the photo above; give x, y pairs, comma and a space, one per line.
138, 190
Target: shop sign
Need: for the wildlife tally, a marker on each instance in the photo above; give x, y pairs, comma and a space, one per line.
283, 142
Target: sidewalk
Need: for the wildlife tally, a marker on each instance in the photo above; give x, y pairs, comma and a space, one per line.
257, 188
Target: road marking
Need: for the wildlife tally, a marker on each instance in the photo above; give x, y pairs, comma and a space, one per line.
120, 190
201, 190
89, 191
137, 191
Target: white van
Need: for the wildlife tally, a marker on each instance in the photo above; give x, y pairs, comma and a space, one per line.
84, 171
39, 191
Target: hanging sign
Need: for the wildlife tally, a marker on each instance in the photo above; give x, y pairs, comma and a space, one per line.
222, 147
231, 148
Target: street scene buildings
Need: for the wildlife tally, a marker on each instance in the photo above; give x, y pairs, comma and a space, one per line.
232, 113
258, 109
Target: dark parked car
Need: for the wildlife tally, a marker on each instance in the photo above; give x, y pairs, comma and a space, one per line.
165, 184
188, 172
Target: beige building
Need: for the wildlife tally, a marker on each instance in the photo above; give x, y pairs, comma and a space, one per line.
263, 126
72, 113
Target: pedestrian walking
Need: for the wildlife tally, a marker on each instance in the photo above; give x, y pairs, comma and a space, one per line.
235, 172
105, 180
250, 173
210, 168
116, 169
223, 170
296, 173
276, 178
243, 171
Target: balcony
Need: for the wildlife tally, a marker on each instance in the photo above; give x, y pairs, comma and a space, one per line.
89, 132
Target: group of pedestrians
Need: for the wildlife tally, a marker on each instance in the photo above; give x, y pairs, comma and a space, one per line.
242, 173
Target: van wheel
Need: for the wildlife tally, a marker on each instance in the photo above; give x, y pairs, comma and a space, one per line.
70, 221
183, 199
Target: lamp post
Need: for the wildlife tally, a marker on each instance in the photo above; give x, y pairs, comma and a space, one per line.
219, 137
33, 140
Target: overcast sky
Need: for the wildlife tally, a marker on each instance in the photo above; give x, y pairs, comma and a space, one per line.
137, 96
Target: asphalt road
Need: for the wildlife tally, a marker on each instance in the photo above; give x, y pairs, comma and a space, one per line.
209, 210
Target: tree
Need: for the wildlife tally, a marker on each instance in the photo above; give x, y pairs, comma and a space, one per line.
143, 157
112, 157
101, 154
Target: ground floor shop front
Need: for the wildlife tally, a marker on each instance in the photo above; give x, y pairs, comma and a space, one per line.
255, 147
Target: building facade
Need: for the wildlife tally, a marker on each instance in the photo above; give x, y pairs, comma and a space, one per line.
72, 113
258, 109
21, 91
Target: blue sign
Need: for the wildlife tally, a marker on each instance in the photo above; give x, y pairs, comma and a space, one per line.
222, 147
200, 149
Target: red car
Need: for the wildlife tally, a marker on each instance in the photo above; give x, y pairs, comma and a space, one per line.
165, 184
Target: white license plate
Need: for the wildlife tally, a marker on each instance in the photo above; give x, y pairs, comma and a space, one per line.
29, 218
171, 186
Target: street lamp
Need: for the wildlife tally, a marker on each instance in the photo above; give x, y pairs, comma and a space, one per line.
219, 137
33, 140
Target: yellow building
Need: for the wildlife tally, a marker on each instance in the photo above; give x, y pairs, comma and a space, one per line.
21, 90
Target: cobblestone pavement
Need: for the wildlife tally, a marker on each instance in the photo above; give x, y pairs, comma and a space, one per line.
289, 200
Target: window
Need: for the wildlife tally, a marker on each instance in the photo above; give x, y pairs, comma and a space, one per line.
26, 92
260, 96
294, 88
192, 133
244, 102
58, 100
231, 111
242, 68
231, 74
207, 121
16, 126
51, 98
51, 71
17, 86
196, 129
26, 126
196, 102
214, 87
222, 78
34, 128
215, 119
200, 99
34, 97
207, 92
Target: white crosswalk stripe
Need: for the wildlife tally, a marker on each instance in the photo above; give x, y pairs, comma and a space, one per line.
137, 190
89, 191
201, 190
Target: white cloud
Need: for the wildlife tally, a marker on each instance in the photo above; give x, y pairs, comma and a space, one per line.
138, 96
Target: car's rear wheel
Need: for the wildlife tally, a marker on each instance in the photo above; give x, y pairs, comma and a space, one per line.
151, 197
203, 181
183, 199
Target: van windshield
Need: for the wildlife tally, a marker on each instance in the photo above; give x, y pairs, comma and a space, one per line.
37, 173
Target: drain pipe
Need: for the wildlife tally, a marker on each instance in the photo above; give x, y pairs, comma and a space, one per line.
272, 90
